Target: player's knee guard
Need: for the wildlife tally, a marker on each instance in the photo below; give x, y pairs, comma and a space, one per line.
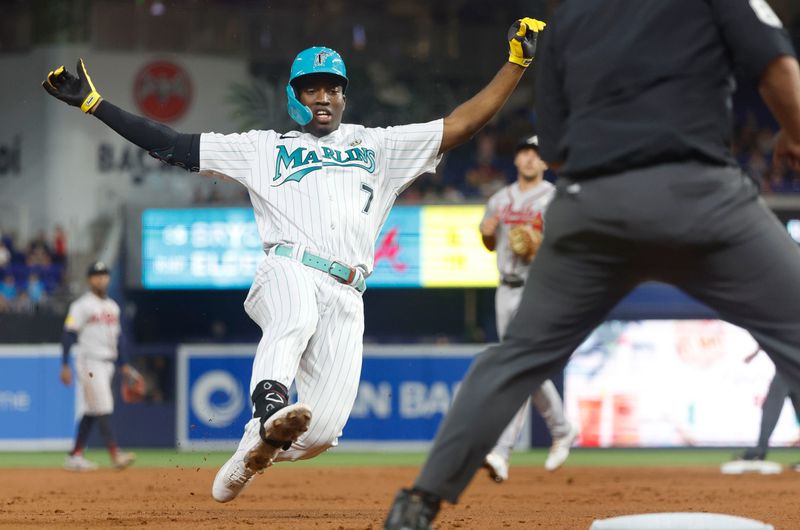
268, 397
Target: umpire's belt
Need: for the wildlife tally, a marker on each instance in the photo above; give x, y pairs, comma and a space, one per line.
514, 283
341, 273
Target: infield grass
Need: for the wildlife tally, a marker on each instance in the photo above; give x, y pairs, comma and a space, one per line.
166, 458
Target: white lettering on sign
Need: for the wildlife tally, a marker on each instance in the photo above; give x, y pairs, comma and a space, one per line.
418, 400
373, 400
15, 401
11, 157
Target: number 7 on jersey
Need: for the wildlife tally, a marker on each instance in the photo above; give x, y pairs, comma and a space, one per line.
369, 191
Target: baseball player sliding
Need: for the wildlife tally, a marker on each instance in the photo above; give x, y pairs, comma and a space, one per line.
321, 195
512, 226
93, 326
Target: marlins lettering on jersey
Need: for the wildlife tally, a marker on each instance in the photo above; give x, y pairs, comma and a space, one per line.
302, 161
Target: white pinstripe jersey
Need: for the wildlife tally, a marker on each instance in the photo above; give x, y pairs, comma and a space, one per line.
96, 321
331, 194
513, 206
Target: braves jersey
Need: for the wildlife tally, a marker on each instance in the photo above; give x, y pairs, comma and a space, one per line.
331, 194
512, 207
96, 322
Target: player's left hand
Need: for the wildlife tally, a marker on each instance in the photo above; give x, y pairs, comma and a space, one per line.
65, 375
522, 36
525, 241
132, 385
76, 91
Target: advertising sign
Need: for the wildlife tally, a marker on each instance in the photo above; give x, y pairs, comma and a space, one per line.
403, 394
37, 412
219, 248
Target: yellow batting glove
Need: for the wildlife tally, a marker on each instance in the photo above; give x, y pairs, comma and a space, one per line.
522, 36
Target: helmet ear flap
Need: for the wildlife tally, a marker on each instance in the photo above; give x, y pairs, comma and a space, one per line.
297, 111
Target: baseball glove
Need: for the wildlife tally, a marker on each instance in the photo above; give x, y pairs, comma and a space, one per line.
132, 387
525, 241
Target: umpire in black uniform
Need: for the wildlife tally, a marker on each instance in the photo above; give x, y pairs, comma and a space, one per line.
634, 106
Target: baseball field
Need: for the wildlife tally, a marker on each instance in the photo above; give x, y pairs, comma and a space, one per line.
342, 490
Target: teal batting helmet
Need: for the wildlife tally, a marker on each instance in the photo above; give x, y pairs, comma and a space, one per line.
316, 60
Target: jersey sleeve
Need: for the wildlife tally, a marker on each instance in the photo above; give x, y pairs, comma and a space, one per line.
233, 155
752, 32
491, 208
76, 317
410, 151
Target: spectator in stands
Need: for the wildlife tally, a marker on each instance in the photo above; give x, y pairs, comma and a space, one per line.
23, 304
9, 288
60, 246
38, 255
5, 307
36, 290
485, 177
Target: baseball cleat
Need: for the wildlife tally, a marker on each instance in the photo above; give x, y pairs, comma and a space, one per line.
78, 463
255, 454
497, 466
559, 451
122, 460
412, 510
753, 453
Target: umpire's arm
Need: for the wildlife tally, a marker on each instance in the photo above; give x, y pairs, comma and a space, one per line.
162, 142
762, 49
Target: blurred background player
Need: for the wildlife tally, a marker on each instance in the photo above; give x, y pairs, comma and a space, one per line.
753, 457
93, 326
522, 204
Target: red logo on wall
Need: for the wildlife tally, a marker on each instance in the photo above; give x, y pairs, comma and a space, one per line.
162, 91
388, 249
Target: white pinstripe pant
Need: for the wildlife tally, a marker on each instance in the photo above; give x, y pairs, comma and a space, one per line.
313, 330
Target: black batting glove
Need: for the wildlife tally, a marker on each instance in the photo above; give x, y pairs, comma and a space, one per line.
76, 91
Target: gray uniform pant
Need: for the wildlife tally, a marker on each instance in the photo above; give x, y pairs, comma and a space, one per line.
701, 228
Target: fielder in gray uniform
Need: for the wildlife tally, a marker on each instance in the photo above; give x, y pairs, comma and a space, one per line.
92, 325
522, 203
770, 414
635, 113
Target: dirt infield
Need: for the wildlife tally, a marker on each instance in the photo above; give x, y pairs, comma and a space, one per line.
294, 498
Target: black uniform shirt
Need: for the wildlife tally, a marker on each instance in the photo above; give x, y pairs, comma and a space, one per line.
632, 83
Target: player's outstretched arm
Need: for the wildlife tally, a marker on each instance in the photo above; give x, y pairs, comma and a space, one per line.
780, 88
160, 141
469, 117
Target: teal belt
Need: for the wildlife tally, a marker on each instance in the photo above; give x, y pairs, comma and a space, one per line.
340, 272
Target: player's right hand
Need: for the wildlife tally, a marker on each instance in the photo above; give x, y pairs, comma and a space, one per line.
522, 36
66, 375
787, 151
76, 91
489, 226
